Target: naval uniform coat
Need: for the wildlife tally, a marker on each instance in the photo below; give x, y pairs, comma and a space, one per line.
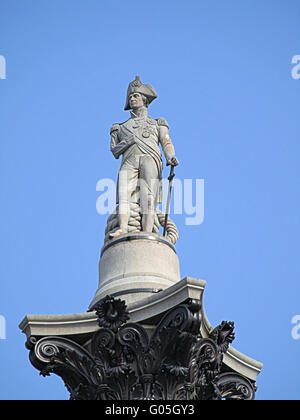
138, 139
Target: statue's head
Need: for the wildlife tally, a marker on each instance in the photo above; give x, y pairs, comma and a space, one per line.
137, 100
139, 94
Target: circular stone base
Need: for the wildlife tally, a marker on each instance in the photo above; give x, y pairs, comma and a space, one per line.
134, 266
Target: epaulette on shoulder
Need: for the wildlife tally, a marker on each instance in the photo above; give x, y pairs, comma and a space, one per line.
114, 127
162, 121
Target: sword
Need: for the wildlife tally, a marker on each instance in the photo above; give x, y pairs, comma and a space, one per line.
170, 178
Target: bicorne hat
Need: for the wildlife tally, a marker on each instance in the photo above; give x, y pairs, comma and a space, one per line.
136, 86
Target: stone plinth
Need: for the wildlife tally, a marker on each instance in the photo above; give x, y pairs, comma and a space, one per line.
134, 266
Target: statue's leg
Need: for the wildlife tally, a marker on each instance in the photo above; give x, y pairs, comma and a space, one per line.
149, 182
127, 180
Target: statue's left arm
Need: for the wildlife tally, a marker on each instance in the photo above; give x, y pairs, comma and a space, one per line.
166, 142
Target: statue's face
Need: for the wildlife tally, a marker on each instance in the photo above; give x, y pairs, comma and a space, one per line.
135, 100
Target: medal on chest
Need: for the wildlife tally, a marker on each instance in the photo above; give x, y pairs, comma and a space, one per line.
146, 133
144, 127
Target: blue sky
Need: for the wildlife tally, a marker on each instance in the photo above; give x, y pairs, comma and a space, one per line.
222, 70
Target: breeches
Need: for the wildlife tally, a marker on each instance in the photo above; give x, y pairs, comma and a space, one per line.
138, 181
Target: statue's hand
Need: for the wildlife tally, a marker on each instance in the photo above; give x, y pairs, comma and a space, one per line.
172, 160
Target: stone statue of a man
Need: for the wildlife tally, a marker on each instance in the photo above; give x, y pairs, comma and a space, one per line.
137, 140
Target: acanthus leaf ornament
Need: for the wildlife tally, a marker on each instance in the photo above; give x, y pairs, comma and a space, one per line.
124, 363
